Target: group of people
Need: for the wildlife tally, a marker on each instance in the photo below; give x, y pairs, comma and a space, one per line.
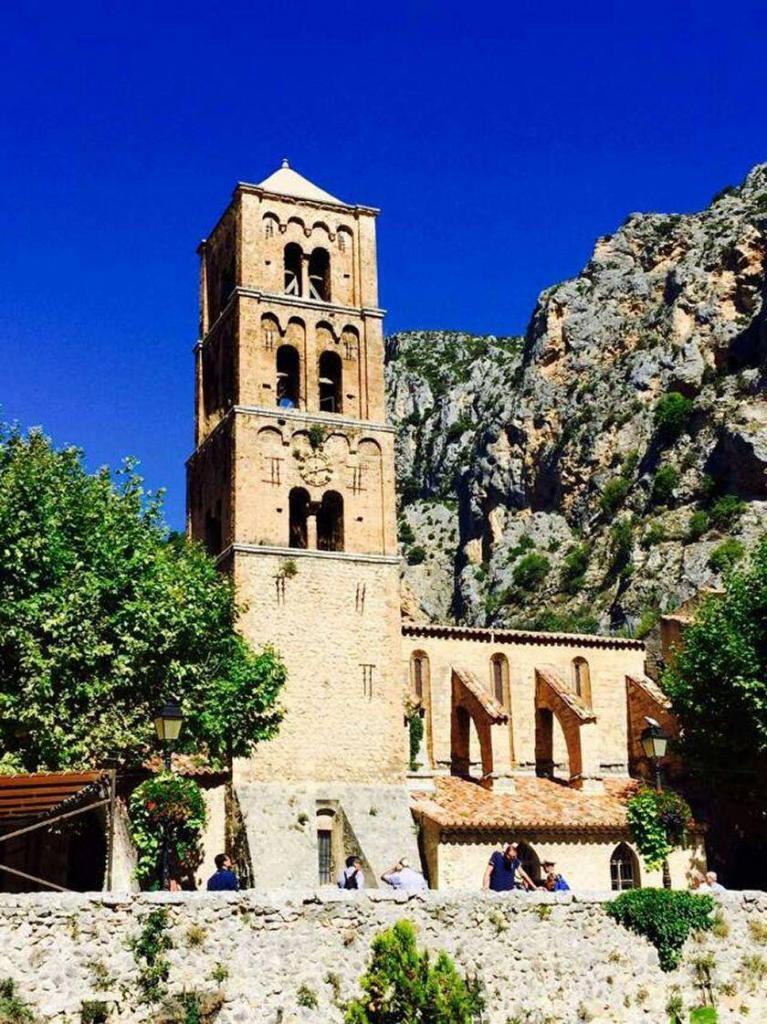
504, 872
708, 882
399, 876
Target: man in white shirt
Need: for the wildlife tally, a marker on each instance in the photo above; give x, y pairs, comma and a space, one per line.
402, 876
352, 876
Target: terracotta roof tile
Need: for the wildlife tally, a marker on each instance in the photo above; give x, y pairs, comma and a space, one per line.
482, 634
483, 695
652, 690
563, 691
458, 804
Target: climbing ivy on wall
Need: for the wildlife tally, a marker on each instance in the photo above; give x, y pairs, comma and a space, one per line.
658, 823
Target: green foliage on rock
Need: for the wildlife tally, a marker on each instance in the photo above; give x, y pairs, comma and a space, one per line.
190, 1008
658, 823
574, 567
663, 485
103, 616
416, 555
531, 570
406, 532
726, 554
726, 510
149, 950
415, 736
672, 414
621, 544
697, 525
665, 917
614, 494
718, 685
403, 985
13, 1009
166, 808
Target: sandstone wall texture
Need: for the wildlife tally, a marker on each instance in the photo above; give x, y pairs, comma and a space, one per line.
542, 958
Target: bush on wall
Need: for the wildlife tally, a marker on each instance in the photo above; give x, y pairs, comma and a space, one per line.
665, 917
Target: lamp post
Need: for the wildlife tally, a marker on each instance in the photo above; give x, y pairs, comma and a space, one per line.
167, 724
654, 743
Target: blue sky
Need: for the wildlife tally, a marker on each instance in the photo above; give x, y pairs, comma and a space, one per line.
499, 140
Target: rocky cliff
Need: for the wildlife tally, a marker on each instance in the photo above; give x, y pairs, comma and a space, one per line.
609, 464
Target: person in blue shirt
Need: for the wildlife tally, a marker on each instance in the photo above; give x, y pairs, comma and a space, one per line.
223, 879
554, 882
503, 869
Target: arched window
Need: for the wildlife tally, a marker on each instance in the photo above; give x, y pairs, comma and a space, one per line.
330, 522
419, 674
499, 678
582, 680
269, 222
331, 373
298, 501
528, 858
624, 869
288, 376
319, 275
293, 259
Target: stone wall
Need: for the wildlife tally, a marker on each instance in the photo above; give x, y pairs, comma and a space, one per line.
542, 959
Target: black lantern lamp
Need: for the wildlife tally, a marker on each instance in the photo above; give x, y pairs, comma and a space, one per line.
167, 723
654, 743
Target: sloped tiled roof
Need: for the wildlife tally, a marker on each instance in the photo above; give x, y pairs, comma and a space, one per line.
652, 690
482, 694
459, 805
565, 694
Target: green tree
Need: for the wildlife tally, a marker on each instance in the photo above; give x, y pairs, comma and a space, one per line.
530, 570
403, 986
104, 615
663, 485
718, 687
672, 414
614, 494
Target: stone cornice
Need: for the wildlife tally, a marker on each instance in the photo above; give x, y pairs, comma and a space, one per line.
519, 636
316, 204
301, 302
343, 556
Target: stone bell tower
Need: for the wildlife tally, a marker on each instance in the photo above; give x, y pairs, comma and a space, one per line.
291, 487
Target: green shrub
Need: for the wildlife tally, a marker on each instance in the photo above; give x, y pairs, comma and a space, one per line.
416, 555
654, 534
404, 984
550, 621
664, 482
415, 729
726, 510
630, 463
191, 1008
665, 917
704, 1015
672, 414
614, 494
307, 997
13, 1009
456, 430
406, 532
621, 543
697, 525
531, 570
149, 948
726, 555
317, 434
93, 1011
574, 566
524, 544
648, 620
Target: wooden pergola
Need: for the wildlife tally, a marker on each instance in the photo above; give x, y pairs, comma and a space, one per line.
37, 801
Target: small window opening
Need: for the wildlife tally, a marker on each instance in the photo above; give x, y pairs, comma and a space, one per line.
269, 228
582, 680
418, 676
288, 363
623, 869
293, 259
331, 391
330, 522
319, 275
499, 672
531, 865
213, 530
299, 511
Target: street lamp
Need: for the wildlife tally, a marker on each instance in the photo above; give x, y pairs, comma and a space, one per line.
167, 724
654, 743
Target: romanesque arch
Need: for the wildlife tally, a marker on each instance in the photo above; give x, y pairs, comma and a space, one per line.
293, 271
553, 698
471, 702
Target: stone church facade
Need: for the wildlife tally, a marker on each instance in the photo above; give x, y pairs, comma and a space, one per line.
291, 487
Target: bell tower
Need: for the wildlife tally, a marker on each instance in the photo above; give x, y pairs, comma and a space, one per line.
291, 488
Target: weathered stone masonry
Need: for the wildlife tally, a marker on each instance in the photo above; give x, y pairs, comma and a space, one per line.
554, 958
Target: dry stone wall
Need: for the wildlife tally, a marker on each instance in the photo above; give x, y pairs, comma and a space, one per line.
292, 957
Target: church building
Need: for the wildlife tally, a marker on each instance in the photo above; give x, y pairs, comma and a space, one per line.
291, 487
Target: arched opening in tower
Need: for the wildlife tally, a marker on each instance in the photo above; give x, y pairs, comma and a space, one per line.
288, 377
319, 275
293, 258
331, 390
330, 522
299, 511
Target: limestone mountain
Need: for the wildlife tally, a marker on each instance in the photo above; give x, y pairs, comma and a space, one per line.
610, 463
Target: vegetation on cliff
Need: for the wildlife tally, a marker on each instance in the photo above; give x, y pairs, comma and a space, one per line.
623, 440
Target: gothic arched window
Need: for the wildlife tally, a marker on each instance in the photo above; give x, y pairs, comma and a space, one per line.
624, 869
331, 382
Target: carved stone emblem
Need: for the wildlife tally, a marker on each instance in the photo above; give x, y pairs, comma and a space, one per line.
316, 469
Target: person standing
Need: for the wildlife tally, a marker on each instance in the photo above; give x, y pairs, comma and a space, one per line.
223, 879
352, 876
402, 876
554, 882
503, 869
